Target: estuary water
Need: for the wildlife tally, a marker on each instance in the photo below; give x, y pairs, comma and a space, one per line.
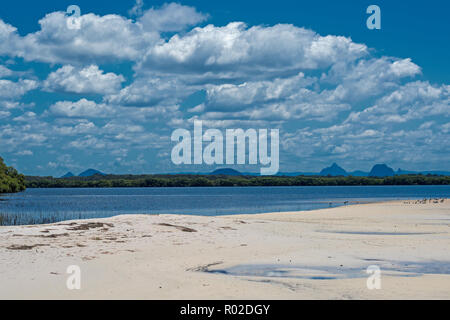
51, 205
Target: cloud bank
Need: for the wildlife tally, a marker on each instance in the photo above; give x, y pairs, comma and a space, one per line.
332, 99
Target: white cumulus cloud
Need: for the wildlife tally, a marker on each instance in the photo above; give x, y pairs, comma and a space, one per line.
81, 109
86, 80
170, 17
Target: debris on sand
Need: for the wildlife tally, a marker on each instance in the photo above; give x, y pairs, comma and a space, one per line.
24, 247
90, 225
181, 228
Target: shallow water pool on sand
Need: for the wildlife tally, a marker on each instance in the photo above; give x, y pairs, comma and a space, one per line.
397, 268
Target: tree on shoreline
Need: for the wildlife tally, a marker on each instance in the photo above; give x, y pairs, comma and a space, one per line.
10, 180
162, 181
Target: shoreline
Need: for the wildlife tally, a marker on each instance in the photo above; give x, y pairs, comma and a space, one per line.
341, 204
332, 204
318, 254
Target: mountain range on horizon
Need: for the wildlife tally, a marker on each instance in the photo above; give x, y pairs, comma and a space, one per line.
378, 170
86, 173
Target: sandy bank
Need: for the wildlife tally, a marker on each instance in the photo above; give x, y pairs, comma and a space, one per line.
320, 254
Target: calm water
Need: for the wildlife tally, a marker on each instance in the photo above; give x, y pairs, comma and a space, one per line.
48, 205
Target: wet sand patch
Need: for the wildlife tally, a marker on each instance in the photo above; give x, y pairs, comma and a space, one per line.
377, 233
395, 268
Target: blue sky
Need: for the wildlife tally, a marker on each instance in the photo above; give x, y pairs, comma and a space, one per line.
109, 95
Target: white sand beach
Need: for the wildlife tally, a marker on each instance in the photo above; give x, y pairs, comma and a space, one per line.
320, 254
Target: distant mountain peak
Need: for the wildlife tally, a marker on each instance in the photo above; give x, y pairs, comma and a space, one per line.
334, 170
226, 172
90, 172
68, 175
381, 170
